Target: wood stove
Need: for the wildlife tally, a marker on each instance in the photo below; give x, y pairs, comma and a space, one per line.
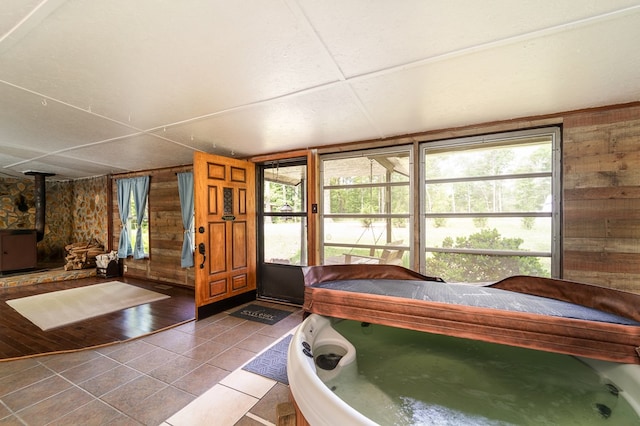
18, 250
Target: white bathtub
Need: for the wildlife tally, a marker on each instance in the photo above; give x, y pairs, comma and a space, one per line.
320, 406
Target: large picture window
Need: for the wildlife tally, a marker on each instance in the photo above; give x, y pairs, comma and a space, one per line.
366, 207
490, 206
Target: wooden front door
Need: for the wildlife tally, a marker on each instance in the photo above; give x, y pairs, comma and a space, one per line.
225, 260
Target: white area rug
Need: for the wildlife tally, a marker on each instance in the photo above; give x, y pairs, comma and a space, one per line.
58, 308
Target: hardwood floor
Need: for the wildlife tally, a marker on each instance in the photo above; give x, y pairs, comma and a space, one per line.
20, 338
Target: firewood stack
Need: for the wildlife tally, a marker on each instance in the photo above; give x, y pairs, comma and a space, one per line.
82, 255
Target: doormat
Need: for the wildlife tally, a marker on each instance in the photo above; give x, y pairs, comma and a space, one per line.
261, 314
272, 363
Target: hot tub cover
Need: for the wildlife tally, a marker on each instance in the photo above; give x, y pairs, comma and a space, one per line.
533, 312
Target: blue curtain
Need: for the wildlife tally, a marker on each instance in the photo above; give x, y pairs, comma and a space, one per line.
140, 192
185, 189
124, 195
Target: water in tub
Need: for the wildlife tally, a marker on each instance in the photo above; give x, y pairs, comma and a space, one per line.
421, 378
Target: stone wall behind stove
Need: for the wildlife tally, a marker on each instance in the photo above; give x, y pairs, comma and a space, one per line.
76, 211
91, 210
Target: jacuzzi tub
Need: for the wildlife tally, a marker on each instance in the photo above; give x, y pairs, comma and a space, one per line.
311, 384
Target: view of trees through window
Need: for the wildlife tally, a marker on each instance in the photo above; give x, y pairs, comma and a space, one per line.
132, 225
487, 208
366, 207
284, 223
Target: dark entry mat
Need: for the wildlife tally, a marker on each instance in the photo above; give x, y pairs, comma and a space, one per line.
261, 314
272, 363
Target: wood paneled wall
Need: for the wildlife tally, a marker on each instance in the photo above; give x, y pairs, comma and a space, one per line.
165, 229
601, 201
601, 197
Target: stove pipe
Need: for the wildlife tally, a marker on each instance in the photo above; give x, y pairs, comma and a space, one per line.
40, 200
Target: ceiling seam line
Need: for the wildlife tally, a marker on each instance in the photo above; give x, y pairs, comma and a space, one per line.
77, 108
38, 13
408, 65
495, 43
302, 16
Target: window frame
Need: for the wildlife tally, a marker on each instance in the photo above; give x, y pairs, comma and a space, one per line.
408, 246
498, 139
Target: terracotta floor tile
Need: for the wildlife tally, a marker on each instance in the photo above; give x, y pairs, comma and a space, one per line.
62, 362
175, 341
256, 342
229, 321
152, 360
128, 396
4, 412
211, 330
109, 380
35, 392
160, 406
89, 369
11, 421
11, 367
55, 407
95, 413
175, 368
230, 337
231, 358
266, 407
201, 379
249, 327
23, 378
206, 351
130, 351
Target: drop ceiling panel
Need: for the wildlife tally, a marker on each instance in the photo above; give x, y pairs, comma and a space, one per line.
565, 71
367, 36
149, 64
14, 11
304, 120
65, 168
139, 152
45, 125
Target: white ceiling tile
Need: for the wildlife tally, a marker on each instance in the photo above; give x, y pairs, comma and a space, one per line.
140, 152
367, 36
64, 168
149, 65
13, 13
558, 72
27, 119
304, 120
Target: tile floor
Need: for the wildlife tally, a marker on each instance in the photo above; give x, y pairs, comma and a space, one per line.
188, 375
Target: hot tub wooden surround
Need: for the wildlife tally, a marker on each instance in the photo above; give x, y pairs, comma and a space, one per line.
532, 312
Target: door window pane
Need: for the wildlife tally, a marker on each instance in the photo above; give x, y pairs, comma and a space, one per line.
284, 228
283, 239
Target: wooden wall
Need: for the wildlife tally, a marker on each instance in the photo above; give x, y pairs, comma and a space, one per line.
165, 229
601, 201
601, 197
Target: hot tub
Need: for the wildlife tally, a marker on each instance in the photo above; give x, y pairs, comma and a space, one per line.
524, 350
423, 378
